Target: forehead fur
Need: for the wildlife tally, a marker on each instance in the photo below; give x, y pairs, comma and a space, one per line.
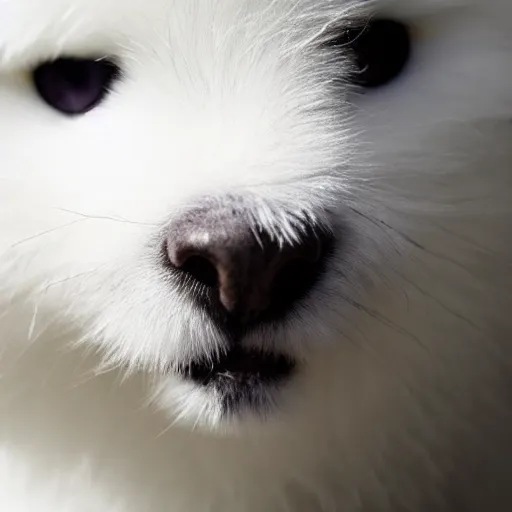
31, 30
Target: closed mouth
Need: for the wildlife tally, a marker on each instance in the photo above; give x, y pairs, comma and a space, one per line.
240, 367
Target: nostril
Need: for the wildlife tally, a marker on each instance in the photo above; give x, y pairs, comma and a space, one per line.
201, 269
191, 262
293, 281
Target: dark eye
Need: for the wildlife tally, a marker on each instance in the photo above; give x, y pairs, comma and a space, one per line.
74, 86
381, 49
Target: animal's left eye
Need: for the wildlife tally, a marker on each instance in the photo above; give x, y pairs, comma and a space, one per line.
380, 48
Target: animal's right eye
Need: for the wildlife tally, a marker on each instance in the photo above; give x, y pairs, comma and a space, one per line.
380, 50
74, 86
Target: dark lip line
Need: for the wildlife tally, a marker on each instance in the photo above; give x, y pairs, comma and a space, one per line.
239, 364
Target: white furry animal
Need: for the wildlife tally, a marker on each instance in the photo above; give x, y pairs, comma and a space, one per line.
255, 255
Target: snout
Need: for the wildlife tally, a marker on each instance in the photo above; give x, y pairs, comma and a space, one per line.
244, 277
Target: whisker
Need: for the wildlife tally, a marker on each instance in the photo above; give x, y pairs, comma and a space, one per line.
106, 217
47, 232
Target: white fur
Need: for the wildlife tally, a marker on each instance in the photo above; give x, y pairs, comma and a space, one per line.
404, 399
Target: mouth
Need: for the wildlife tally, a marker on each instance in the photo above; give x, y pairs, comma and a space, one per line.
241, 378
239, 365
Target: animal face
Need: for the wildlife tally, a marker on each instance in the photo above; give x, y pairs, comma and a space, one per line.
231, 196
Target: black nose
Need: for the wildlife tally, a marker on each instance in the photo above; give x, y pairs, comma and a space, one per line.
251, 274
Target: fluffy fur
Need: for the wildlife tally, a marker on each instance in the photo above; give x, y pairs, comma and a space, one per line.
403, 397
